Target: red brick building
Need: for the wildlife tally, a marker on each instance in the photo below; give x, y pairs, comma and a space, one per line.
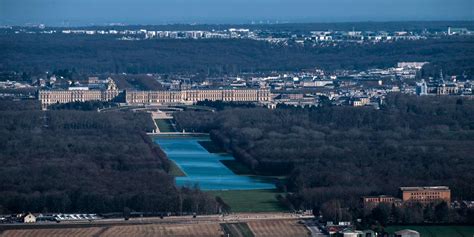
426, 195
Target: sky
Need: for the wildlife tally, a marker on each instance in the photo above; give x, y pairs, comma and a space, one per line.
88, 12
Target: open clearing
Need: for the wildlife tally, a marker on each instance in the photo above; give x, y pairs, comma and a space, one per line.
251, 228
237, 230
250, 200
74, 232
182, 230
277, 228
202, 229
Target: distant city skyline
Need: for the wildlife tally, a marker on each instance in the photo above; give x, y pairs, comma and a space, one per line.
98, 12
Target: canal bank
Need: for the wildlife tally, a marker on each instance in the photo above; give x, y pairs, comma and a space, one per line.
205, 169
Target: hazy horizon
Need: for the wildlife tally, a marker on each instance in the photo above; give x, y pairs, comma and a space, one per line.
149, 12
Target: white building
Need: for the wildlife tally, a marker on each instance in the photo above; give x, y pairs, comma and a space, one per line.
421, 88
30, 218
417, 65
407, 233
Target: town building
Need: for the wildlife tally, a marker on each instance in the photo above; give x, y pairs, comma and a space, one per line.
426, 195
372, 201
360, 101
422, 88
417, 65
446, 89
458, 31
93, 80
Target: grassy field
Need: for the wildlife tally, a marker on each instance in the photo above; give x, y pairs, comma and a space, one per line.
250, 200
164, 125
201, 229
175, 170
437, 231
237, 230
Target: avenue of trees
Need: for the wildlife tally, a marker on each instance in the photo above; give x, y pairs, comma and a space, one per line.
343, 153
84, 161
85, 106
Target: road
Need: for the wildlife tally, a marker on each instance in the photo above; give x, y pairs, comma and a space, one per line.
157, 220
313, 227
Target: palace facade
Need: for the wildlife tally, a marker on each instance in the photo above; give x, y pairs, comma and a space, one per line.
193, 96
81, 94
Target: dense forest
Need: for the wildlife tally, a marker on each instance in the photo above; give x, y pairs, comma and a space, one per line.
37, 53
343, 153
84, 161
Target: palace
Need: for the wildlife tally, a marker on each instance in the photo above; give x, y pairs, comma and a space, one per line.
81, 94
193, 96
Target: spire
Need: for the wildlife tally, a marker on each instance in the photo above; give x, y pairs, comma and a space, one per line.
111, 86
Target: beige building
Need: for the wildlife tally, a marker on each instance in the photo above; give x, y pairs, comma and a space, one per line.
73, 94
426, 195
447, 89
362, 101
193, 96
372, 201
81, 94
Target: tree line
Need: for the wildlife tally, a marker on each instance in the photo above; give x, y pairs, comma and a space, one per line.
85, 161
344, 153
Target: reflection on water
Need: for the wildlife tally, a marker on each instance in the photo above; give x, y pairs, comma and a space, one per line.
204, 168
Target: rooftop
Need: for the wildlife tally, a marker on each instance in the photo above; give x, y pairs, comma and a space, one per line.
424, 188
406, 231
378, 196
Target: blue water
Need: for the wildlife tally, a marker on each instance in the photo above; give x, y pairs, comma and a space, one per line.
204, 168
